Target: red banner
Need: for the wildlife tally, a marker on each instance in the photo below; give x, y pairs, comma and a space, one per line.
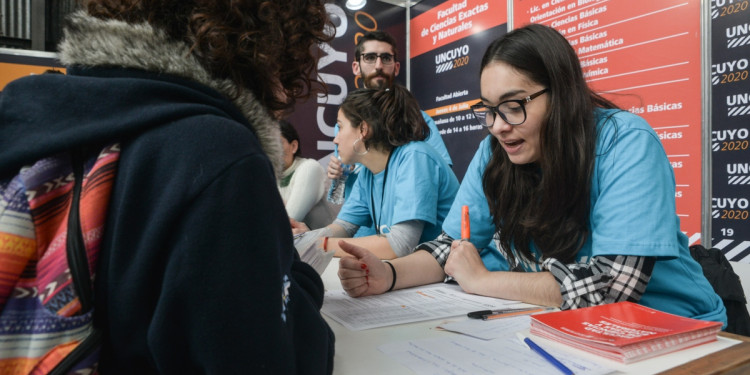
454, 20
645, 56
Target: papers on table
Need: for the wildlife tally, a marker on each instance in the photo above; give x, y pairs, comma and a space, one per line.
306, 245
498, 348
458, 354
488, 329
445, 352
427, 302
504, 354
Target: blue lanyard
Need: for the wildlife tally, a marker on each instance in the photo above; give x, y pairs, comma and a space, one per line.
382, 197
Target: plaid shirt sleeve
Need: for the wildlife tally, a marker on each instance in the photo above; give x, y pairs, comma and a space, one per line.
439, 248
607, 279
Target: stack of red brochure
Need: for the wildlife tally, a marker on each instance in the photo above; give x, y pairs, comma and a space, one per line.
623, 331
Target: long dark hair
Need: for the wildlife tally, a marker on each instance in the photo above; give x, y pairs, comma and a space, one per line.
392, 113
264, 46
546, 202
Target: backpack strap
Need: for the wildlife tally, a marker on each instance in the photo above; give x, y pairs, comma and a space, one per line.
78, 264
78, 261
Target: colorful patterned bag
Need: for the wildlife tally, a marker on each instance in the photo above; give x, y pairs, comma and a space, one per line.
52, 217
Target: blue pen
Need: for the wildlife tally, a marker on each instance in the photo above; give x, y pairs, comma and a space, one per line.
533, 346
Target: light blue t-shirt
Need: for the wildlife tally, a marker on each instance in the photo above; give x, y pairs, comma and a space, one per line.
434, 140
419, 185
632, 213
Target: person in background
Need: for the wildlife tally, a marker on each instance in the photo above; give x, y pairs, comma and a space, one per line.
578, 195
303, 182
405, 189
197, 272
375, 60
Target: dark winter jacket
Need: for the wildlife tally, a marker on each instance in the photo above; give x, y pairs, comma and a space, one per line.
198, 271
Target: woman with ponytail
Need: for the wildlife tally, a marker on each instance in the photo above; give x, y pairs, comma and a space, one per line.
406, 190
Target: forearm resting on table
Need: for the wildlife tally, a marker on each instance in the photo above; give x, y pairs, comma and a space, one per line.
402, 239
378, 245
538, 288
570, 286
418, 268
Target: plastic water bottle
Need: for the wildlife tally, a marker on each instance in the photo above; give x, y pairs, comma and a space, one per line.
336, 190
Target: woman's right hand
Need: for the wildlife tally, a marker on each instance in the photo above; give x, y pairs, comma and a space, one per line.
465, 266
363, 274
334, 168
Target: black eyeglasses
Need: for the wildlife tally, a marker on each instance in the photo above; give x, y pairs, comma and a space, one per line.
385, 58
512, 112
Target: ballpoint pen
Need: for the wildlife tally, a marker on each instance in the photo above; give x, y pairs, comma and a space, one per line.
502, 313
514, 313
534, 347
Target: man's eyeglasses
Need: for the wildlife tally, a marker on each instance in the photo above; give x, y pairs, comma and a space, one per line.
512, 112
371, 58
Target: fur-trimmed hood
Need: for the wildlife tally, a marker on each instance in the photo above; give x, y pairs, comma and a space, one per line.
91, 42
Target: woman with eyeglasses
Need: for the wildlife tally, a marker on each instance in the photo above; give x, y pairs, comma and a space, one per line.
577, 195
405, 189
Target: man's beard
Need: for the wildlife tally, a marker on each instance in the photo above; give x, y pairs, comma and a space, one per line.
372, 83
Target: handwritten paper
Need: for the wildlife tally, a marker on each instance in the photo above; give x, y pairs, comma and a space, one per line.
458, 354
488, 329
422, 303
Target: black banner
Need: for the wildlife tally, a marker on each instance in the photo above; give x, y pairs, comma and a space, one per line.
730, 120
445, 72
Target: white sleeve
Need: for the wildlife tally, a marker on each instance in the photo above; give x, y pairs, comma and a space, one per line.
306, 189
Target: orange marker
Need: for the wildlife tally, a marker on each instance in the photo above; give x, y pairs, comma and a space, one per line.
465, 224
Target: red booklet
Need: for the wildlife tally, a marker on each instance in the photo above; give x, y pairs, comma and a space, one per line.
624, 331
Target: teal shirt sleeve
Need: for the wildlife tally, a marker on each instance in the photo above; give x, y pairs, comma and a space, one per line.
423, 188
415, 188
436, 140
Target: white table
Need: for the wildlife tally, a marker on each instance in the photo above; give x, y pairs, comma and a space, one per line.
357, 351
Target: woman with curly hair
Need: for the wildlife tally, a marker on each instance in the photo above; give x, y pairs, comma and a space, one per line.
577, 195
197, 271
